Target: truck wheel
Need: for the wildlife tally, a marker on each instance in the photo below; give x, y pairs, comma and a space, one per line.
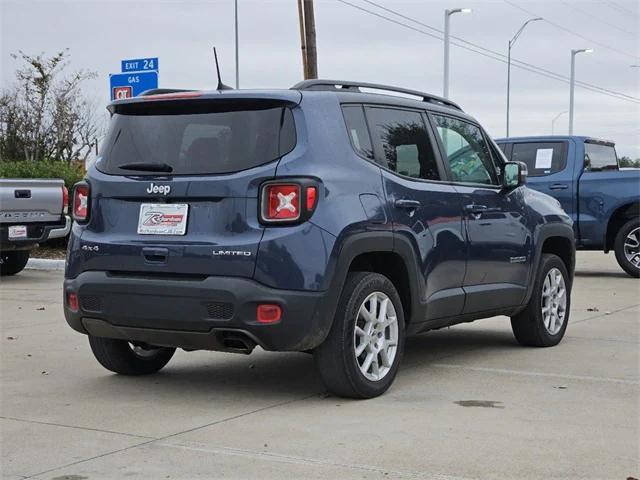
627, 247
360, 356
124, 358
13, 262
543, 322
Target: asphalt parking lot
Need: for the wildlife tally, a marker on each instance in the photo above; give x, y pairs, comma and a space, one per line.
468, 402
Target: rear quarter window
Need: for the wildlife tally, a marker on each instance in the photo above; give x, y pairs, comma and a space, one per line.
206, 140
357, 129
599, 156
542, 158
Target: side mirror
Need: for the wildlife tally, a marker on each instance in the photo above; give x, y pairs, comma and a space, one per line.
515, 175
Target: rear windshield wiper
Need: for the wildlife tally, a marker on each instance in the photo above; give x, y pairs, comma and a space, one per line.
147, 167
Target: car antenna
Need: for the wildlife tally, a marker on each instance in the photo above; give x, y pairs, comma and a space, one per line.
221, 86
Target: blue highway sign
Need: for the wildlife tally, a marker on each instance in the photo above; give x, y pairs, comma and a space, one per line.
140, 65
126, 85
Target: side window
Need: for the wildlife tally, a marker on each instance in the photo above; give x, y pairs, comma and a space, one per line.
404, 142
357, 130
541, 158
467, 152
503, 147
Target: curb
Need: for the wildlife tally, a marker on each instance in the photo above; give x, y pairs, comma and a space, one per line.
45, 264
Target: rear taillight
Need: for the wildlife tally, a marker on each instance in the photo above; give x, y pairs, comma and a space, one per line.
312, 196
288, 201
81, 202
282, 202
65, 200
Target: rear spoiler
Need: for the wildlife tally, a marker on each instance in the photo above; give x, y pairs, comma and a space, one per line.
172, 100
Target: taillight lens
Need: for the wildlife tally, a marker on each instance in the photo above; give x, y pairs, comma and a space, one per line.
288, 201
282, 202
65, 200
312, 196
81, 202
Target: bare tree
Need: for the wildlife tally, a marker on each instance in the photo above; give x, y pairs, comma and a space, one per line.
45, 115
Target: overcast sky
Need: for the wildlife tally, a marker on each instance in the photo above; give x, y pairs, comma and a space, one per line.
353, 44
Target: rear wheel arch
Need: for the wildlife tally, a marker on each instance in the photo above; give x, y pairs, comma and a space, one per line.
618, 218
392, 265
377, 251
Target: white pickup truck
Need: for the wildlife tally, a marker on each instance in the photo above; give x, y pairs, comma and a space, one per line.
31, 211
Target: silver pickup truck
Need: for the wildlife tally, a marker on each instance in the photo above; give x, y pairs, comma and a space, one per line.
31, 212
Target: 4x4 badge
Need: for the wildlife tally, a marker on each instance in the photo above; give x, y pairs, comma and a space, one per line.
163, 189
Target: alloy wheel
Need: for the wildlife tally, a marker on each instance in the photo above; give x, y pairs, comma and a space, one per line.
632, 247
554, 301
376, 336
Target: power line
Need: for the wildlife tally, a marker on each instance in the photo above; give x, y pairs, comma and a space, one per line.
620, 8
488, 53
501, 56
529, 12
596, 18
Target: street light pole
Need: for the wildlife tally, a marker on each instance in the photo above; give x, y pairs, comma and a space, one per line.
237, 48
553, 122
511, 44
572, 83
447, 14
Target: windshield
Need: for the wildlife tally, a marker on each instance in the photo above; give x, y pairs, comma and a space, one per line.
600, 157
197, 142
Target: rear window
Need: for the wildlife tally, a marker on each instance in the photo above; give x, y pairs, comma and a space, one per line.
209, 139
600, 157
541, 158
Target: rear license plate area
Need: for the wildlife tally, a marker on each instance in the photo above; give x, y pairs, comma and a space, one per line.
163, 219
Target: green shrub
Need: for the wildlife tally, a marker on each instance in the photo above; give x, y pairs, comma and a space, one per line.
71, 173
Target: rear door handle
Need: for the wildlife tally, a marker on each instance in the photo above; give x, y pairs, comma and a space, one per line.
476, 208
559, 186
408, 204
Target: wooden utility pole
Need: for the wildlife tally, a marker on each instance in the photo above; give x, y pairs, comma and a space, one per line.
303, 41
308, 38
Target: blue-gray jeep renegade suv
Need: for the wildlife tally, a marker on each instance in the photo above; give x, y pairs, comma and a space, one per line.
325, 218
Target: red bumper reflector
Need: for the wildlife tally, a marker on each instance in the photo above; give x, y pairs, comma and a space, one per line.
72, 301
267, 313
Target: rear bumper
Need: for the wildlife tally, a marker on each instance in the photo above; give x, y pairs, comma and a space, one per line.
194, 312
36, 233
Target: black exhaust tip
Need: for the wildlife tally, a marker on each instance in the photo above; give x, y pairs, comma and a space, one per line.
237, 342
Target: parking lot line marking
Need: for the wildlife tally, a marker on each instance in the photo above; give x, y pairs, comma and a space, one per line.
175, 434
605, 314
294, 459
90, 429
538, 374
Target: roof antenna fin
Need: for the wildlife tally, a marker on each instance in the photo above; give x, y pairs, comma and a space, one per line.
221, 86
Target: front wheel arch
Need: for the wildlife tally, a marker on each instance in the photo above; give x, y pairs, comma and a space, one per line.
558, 237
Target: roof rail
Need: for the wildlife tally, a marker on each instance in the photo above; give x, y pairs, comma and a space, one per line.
161, 91
333, 85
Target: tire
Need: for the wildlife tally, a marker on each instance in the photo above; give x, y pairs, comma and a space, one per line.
336, 358
627, 242
529, 326
13, 262
121, 357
